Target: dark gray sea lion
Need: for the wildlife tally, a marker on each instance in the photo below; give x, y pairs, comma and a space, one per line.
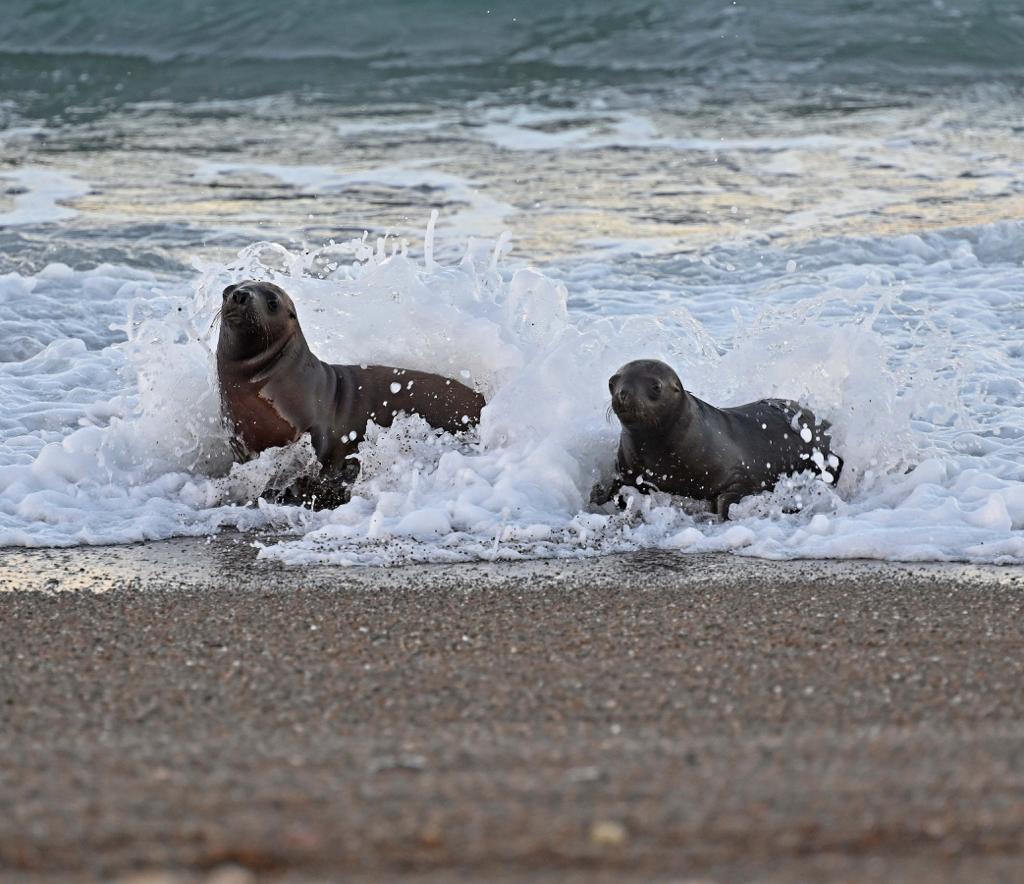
273, 389
672, 441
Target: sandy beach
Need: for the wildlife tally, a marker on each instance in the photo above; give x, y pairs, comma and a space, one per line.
181, 711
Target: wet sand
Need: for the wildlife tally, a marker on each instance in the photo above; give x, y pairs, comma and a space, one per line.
179, 711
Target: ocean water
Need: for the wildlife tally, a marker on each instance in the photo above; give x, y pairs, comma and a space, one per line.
812, 200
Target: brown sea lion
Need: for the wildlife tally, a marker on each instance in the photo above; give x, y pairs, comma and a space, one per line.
273, 390
674, 442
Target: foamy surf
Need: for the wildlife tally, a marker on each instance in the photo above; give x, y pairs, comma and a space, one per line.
39, 196
112, 434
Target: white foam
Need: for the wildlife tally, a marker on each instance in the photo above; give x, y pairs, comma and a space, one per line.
39, 195
526, 129
393, 124
903, 343
481, 214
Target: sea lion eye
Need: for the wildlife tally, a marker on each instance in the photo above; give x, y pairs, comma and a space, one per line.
272, 303
612, 381
656, 388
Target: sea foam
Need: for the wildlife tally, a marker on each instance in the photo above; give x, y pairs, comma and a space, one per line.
112, 431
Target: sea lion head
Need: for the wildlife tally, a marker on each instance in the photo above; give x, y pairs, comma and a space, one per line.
255, 316
646, 393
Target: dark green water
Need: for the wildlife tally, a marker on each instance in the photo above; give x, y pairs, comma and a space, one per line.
65, 58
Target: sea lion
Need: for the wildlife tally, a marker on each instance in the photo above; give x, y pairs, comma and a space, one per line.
672, 441
273, 390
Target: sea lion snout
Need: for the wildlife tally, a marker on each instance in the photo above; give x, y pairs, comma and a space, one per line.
258, 303
627, 406
623, 397
238, 300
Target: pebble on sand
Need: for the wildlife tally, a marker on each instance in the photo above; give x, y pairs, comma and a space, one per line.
607, 833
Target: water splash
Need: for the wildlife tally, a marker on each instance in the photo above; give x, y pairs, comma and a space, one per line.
926, 477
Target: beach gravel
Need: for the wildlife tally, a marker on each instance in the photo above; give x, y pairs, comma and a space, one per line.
181, 711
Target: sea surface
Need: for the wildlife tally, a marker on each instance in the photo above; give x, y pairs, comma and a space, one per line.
805, 199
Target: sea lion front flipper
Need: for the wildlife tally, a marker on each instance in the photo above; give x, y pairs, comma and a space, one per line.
318, 493
601, 494
725, 500
238, 450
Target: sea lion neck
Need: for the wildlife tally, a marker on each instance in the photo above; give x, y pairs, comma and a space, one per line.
256, 366
679, 416
654, 438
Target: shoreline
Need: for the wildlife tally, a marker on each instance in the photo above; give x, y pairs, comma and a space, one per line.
179, 711
190, 562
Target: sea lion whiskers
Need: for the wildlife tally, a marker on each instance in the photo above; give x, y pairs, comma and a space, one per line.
218, 318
